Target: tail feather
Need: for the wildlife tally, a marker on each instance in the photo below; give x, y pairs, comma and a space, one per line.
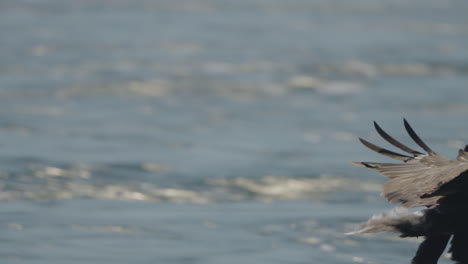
399, 219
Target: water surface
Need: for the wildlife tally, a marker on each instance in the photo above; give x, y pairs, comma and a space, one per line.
215, 131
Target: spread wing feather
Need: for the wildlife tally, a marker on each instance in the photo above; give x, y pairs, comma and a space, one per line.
384, 152
416, 181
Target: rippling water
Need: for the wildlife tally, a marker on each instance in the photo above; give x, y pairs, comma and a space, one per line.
215, 131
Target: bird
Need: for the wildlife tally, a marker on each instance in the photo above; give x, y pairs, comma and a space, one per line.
432, 192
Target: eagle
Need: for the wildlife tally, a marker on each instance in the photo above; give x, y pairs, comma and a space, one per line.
435, 184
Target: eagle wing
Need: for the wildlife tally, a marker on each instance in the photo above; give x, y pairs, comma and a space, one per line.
421, 179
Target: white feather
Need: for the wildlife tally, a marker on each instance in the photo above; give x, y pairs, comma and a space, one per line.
389, 221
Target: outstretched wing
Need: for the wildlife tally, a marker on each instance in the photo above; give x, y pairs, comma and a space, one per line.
417, 181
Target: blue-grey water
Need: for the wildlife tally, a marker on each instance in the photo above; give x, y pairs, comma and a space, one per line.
216, 131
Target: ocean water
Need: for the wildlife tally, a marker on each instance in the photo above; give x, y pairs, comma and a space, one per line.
215, 131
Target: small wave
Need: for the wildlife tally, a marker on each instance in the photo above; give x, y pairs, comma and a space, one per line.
326, 87
153, 88
61, 172
371, 70
271, 188
107, 228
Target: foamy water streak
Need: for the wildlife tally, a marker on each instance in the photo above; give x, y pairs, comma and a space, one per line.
78, 182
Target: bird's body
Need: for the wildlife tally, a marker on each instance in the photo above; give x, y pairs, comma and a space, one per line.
430, 180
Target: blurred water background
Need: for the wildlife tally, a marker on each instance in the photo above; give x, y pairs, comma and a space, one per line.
215, 131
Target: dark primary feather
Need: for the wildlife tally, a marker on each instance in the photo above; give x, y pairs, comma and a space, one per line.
416, 181
416, 138
383, 151
393, 141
